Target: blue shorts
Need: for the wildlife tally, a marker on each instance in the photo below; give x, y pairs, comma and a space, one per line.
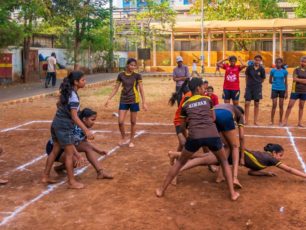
132, 107
295, 96
49, 147
212, 143
224, 120
231, 94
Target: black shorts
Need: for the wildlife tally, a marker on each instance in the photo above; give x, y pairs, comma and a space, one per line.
296, 96
231, 94
253, 93
278, 93
212, 143
49, 148
178, 129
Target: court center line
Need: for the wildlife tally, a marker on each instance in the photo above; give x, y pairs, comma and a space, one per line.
51, 188
299, 156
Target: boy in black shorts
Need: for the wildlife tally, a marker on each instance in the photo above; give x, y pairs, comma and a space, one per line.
254, 76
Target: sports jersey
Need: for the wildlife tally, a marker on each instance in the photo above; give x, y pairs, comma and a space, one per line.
177, 118
296, 86
231, 77
130, 82
259, 160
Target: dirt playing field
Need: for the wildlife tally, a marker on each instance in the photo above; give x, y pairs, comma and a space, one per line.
128, 201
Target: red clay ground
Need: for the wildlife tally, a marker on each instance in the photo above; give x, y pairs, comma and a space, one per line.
128, 201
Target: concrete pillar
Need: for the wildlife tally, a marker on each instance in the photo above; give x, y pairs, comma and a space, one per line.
273, 47
224, 45
281, 43
172, 49
154, 50
209, 50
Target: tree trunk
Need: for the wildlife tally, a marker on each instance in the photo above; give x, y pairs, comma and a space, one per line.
76, 45
26, 56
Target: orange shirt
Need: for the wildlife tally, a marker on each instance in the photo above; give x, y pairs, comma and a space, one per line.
177, 118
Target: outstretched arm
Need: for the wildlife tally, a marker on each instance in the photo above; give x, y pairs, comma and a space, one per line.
299, 80
115, 90
292, 170
260, 173
98, 150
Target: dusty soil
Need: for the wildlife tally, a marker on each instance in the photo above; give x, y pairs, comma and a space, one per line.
128, 201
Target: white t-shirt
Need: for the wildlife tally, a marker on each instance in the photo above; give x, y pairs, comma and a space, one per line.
194, 66
51, 62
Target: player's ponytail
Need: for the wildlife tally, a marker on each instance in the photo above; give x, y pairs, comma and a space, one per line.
175, 95
273, 148
86, 112
67, 86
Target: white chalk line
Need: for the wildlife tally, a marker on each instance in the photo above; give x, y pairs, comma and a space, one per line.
146, 124
51, 188
16, 127
299, 156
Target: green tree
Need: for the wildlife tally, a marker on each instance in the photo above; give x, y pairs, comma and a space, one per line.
238, 9
11, 32
140, 22
82, 18
300, 10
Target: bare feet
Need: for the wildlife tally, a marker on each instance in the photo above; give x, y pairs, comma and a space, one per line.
271, 123
237, 183
159, 193
235, 196
59, 170
2, 182
131, 145
122, 142
220, 179
285, 124
174, 181
75, 185
47, 180
213, 168
101, 174
172, 157
255, 123
300, 125
280, 124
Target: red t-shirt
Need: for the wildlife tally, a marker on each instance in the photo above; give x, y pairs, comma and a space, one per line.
177, 118
231, 77
214, 98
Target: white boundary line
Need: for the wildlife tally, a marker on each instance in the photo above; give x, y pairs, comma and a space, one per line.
51, 188
150, 124
299, 156
16, 127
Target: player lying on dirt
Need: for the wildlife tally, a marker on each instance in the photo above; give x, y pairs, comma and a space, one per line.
255, 161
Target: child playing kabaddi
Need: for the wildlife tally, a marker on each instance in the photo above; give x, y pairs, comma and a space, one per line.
129, 99
298, 91
201, 132
88, 117
227, 116
2, 181
278, 79
231, 87
255, 161
62, 127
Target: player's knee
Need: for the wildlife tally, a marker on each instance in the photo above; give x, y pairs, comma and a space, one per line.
121, 123
133, 123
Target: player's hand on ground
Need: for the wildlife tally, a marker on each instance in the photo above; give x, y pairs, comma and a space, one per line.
271, 174
90, 136
103, 152
80, 162
145, 106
